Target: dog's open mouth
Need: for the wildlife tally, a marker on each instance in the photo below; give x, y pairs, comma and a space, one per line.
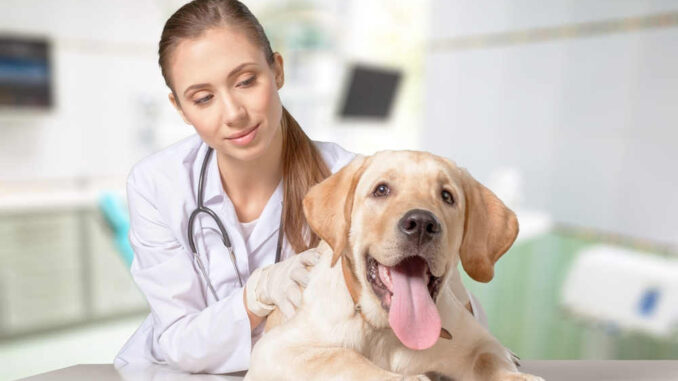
379, 277
408, 291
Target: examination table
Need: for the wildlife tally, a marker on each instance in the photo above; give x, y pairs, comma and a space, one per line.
551, 370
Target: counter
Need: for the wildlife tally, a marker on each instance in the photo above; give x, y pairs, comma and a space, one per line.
551, 370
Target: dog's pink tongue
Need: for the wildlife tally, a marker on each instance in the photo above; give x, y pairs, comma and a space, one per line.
413, 316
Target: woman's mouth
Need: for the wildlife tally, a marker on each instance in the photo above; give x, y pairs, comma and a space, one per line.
244, 138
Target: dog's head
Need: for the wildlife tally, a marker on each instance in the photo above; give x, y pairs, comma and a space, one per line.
400, 220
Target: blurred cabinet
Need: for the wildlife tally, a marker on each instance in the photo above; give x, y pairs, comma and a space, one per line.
40, 281
60, 269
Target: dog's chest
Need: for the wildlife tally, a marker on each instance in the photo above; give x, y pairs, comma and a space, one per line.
337, 323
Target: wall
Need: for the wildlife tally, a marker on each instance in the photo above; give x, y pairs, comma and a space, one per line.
108, 90
111, 102
578, 96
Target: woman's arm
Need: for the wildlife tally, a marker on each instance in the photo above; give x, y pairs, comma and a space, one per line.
187, 333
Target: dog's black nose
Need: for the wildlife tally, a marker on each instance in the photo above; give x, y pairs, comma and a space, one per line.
419, 225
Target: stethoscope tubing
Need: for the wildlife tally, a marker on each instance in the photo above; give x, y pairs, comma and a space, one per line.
224, 234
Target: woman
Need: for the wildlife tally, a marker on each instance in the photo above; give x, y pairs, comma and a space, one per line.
224, 80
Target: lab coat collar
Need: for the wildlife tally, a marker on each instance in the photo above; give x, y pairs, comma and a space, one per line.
214, 190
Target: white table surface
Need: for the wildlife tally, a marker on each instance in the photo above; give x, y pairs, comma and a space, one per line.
551, 370
56, 195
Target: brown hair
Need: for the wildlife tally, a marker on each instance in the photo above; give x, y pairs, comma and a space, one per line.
303, 166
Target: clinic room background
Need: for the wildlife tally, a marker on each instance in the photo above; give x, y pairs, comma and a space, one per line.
566, 109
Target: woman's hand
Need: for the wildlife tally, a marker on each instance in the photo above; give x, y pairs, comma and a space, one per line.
280, 284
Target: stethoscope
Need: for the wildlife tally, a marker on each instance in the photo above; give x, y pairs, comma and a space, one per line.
224, 235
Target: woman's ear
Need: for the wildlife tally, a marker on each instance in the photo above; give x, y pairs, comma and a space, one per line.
278, 70
177, 107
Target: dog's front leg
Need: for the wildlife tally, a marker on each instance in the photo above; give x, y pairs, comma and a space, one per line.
344, 364
490, 366
337, 364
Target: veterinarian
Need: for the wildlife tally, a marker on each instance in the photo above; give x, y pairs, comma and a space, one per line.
216, 219
224, 81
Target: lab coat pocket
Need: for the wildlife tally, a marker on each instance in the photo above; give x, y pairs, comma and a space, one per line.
170, 287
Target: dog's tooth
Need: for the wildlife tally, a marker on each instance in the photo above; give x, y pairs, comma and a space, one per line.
385, 277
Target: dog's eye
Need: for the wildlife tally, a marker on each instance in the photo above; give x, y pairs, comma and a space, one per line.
381, 190
447, 197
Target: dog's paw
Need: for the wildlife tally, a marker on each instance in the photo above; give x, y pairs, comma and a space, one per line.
519, 377
514, 357
435, 376
418, 377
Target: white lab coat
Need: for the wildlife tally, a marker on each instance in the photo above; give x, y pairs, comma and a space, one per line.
187, 328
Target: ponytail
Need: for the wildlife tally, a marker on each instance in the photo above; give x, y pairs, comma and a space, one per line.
303, 167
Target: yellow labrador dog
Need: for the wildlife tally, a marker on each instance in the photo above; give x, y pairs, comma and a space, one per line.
385, 302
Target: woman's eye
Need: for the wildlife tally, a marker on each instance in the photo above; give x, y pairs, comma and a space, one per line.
247, 82
381, 190
447, 197
203, 100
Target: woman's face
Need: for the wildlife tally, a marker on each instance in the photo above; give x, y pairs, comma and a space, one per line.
227, 90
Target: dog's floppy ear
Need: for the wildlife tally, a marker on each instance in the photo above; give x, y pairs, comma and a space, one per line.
490, 228
328, 205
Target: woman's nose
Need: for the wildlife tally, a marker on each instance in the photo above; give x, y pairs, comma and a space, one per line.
234, 111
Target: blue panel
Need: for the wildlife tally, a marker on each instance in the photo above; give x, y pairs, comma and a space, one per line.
648, 302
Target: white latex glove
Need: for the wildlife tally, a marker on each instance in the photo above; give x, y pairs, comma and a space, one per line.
280, 284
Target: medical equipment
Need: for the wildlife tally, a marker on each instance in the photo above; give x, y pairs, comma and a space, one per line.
114, 210
624, 289
225, 238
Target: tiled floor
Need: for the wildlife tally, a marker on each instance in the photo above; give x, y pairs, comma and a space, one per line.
95, 344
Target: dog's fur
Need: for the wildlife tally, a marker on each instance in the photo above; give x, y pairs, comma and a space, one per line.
341, 331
